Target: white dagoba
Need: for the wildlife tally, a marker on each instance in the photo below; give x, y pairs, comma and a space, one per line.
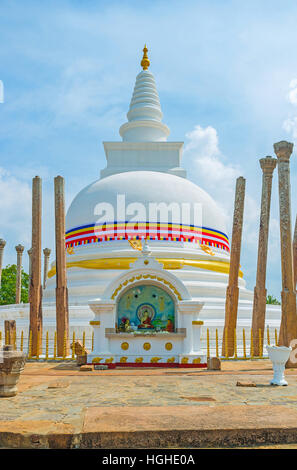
144, 170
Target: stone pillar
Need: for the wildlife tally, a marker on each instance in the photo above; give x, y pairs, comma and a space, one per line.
35, 284
267, 164
18, 282
2, 245
295, 254
288, 327
30, 269
30, 262
62, 314
232, 292
46, 253
10, 332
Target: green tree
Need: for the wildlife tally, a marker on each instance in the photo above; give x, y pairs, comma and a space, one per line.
7, 291
272, 300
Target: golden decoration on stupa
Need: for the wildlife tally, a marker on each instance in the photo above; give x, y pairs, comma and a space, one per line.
145, 63
207, 249
136, 244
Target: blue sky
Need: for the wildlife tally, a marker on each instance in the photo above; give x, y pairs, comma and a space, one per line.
226, 74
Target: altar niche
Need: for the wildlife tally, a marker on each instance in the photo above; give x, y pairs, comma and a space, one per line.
149, 323
144, 308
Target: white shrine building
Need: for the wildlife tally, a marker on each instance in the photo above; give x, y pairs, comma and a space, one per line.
146, 300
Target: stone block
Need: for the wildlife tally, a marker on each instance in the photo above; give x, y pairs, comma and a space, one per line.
100, 367
79, 348
81, 359
245, 384
87, 368
58, 384
213, 363
11, 365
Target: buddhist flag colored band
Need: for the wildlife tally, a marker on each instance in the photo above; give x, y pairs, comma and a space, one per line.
99, 233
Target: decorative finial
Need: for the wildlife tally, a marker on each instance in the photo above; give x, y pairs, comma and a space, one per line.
146, 249
145, 63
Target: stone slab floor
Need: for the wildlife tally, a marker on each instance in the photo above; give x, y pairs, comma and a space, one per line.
60, 406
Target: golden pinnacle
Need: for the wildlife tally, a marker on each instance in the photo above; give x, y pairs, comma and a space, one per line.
145, 63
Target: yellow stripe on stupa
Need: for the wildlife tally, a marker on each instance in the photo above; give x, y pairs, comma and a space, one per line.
169, 263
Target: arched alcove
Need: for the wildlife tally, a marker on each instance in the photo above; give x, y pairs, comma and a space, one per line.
146, 307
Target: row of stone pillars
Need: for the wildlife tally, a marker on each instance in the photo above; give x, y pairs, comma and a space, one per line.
35, 287
288, 327
62, 314
20, 249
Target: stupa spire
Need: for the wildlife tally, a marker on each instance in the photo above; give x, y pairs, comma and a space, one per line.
144, 115
145, 63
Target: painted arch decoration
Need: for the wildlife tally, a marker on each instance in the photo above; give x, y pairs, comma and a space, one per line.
145, 308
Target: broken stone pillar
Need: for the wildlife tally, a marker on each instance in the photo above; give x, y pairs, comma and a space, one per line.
18, 285
11, 365
288, 327
213, 363
268, 165
46, 253
62, 314
232, 292
35, 284
10, 332
2, 245
295, 254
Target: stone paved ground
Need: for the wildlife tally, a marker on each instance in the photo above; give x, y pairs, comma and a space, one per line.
57, 404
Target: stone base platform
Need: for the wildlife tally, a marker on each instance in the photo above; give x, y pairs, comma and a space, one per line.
60, 407
150, 365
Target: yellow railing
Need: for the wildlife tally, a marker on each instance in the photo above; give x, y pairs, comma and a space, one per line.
243, 343
217, 343
211, 343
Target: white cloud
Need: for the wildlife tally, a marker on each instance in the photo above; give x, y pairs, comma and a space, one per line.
203, 148
15, 214
15, 207
87, 94
213, 172
203, 140
290, 124
292, 95
251, 222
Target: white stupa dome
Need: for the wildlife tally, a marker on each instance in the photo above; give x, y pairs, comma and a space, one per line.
142, 187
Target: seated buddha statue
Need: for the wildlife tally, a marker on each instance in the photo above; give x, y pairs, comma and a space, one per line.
145, 320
